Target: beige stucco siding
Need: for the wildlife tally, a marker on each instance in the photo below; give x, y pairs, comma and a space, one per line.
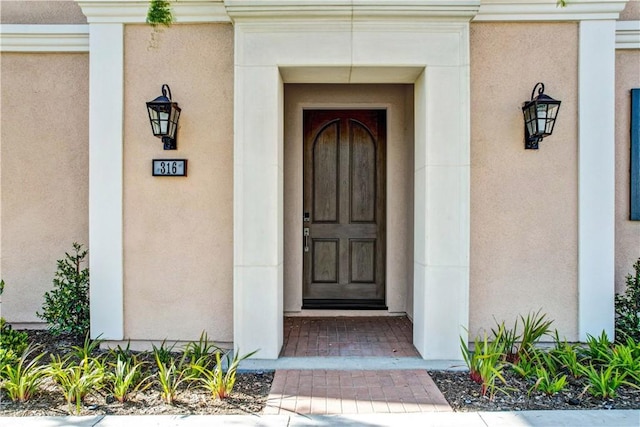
631, 11
44, 172
524, 229
178, 247
41, 12
627, 232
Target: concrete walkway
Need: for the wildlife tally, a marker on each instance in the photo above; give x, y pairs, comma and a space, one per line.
616, 418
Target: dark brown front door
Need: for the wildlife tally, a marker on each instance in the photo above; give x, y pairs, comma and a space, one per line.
344, 208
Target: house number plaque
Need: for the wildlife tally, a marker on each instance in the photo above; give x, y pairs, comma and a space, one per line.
169, 167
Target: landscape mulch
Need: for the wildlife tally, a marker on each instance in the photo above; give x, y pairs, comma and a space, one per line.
251, 390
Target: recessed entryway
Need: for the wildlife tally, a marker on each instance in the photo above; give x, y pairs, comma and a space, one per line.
344, 209
374, 266
432, 56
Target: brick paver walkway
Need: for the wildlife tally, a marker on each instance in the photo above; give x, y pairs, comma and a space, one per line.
320, 391
354, 392
389, 336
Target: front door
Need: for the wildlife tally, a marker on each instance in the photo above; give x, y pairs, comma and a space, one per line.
344, 209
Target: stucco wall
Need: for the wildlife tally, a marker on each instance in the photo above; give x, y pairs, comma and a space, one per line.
178, 247
627, 232
631, 11
398, 100
523, 202
44, 172
41, 12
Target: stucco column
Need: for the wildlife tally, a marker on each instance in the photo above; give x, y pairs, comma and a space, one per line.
258, 211
442, 209
106, 94
596, 178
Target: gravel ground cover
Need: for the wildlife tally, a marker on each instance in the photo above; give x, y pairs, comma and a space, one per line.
464, 395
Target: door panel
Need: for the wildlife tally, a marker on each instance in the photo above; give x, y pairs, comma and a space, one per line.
344, 197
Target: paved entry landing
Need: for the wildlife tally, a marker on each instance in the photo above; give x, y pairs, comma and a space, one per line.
383, 336
354, 392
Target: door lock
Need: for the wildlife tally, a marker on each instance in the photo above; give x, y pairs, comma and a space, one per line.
306, 239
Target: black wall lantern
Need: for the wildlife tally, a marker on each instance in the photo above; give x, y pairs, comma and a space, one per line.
164, 115
539, 117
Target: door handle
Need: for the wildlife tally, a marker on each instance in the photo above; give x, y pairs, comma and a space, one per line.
306, 239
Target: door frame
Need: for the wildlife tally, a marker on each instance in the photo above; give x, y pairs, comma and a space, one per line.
349, 51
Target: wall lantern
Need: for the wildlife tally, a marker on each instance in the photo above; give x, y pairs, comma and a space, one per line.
539, 117
164, 115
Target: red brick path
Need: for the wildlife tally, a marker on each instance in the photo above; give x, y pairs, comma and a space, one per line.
348, 336
354, 392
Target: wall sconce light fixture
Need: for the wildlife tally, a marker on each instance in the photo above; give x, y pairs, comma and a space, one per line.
539, 117
164, 115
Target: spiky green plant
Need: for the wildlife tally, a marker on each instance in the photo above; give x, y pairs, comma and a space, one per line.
198, 353
534, 327
23, 379
485, 362
221, 379
604, 381
164, 353
77, 379
598, 349
548, 383
124, 378
170, 376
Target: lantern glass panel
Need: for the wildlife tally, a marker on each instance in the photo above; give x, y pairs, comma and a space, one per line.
164, 123
552, 113
530, 119
541, 110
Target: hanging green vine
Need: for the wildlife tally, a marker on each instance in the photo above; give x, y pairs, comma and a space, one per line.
159, 13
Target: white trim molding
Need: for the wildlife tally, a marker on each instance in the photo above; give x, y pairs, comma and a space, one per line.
135, 11
44, 38
628, 35
596, 178
356, 9
547, 10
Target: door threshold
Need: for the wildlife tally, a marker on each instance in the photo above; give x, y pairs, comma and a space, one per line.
328, 304
342, 313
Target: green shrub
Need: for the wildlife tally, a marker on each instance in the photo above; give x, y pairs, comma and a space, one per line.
12, 343
66, 307
628, 308
11, 340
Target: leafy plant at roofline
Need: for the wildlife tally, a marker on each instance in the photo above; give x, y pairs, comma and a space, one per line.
628, 308
66, 307
159, 13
